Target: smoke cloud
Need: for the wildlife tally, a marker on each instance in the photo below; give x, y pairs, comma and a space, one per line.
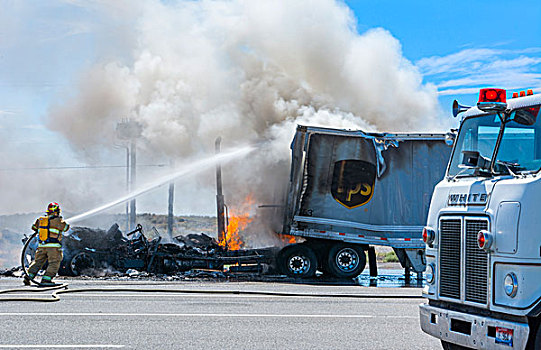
190, 71
242, 69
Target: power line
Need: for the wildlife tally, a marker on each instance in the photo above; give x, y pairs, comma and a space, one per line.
82, 167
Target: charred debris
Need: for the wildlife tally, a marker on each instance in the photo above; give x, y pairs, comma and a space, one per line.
96, 252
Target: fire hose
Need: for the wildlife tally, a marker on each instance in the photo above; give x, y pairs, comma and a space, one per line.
63, 289
23, 257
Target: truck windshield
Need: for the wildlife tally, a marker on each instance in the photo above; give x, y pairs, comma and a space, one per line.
519, 150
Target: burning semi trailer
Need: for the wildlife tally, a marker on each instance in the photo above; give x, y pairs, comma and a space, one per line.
351, 190
348, 191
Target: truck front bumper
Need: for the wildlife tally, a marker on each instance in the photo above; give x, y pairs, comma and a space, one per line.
469, 330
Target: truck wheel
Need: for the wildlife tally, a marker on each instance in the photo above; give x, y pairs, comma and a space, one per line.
346, 261
449, 346
81, 262
298, 260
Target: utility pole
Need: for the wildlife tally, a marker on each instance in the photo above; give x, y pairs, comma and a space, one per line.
130, 130
170, 214
127, 189
133, 164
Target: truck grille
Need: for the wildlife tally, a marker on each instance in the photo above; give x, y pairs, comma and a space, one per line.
476, 263
456, 255
450, 258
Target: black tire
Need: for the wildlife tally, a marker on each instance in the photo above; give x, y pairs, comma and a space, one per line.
345, 260
449, 346
298, 260
80, 262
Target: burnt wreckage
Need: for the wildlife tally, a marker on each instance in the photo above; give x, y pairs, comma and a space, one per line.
88, 251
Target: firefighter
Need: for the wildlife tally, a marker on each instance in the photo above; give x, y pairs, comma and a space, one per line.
50, 229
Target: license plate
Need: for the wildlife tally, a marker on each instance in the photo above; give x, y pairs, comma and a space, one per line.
504, 336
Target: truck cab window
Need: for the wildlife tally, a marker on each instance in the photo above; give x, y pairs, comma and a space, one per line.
518, 148
477, 134
518, 152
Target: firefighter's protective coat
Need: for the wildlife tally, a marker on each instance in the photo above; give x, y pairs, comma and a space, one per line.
50, 230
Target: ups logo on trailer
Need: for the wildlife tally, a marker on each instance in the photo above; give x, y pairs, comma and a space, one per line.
353, 182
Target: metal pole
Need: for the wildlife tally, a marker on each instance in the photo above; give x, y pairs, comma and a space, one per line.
127, 188
219, 196
372, 262
407, 276
132, 181
170, 214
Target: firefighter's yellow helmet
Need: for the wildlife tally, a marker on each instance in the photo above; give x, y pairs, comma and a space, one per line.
53, 208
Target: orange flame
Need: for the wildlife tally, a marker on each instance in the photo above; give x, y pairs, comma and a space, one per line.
239, 218
289, 239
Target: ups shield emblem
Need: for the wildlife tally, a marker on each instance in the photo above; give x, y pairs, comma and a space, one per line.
353, 182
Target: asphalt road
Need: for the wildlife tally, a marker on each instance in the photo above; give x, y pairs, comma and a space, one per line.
102, 320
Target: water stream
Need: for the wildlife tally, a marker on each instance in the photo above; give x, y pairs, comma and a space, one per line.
184, 170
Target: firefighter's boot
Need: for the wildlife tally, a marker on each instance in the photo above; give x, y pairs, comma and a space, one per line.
47, 281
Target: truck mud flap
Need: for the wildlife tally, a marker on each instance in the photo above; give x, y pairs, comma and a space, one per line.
414, 258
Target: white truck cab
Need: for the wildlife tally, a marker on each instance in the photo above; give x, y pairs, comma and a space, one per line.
483, 234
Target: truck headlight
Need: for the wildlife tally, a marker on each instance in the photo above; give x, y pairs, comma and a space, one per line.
430, 273
510, 284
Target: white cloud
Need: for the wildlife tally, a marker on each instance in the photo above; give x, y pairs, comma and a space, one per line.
523, 62
34, 127
509, 79
7, 112
68, 29
454, 62
466, 71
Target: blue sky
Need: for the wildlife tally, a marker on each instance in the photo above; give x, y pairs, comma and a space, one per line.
463, 45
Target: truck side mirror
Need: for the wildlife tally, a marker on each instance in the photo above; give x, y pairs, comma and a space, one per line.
450, 137
526, 116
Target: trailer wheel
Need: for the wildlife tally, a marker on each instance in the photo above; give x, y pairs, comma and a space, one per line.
298, 260
346, 261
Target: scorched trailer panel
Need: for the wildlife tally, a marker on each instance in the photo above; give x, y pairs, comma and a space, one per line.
364, 188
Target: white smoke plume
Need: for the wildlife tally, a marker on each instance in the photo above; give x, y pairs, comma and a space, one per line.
190, 71
240, 69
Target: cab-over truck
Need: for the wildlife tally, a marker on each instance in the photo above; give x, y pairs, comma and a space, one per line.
483, 233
